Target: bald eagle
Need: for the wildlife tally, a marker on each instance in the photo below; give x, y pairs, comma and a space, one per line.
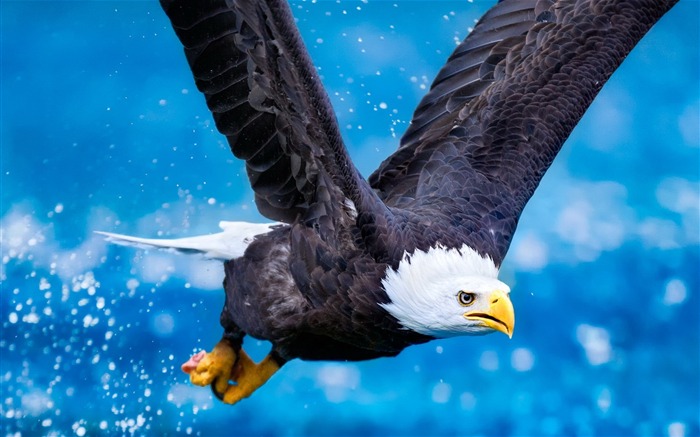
353, 268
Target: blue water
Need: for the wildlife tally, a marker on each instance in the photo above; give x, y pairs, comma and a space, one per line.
103, 129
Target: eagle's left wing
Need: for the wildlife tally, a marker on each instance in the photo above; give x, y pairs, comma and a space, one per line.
250, 62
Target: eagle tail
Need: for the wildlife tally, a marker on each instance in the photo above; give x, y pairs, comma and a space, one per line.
228, 244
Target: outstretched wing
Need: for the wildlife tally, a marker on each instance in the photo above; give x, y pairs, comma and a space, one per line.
249, 61
501, 108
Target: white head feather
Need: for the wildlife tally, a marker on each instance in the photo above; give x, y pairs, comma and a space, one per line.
424, 289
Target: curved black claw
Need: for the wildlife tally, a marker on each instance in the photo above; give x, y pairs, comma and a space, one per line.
219, 396
245, 377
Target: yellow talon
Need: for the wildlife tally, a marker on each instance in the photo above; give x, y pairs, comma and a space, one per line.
214, 367
223, 364
248, 377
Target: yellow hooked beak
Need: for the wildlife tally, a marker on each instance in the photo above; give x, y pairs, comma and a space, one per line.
499, 315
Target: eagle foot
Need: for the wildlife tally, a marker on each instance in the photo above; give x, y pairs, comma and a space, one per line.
247, 376
213, 368
232, 375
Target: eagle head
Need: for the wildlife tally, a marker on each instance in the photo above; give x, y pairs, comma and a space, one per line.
447, 292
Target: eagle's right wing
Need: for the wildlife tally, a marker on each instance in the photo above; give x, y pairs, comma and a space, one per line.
501, 108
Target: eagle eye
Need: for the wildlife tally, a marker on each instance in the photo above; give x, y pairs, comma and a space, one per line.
465, 298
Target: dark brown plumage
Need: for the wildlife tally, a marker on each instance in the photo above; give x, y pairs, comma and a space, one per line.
478, 145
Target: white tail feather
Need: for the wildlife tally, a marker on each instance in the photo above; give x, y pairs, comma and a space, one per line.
226, 245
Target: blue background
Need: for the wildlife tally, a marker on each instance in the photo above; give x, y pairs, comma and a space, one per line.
103, 129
